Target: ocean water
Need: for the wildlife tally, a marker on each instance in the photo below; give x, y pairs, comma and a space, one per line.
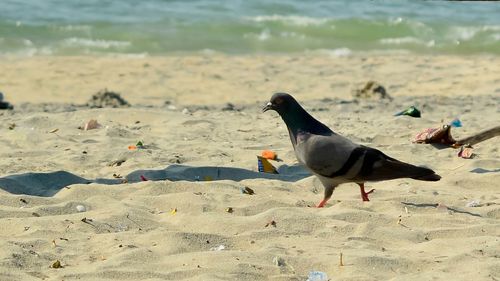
159, 27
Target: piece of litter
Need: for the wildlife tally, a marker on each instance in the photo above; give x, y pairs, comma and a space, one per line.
91, 124
81, 208
117, 163
317, 276
271, 155
132, 147
53, 131
56, 264
173, 211
410, 111
247, 190
264, 166
271, 223
456, 123
218, 248
143, 178
435, 135
466, 152
279, 261
473, 203
341, 259
229, 210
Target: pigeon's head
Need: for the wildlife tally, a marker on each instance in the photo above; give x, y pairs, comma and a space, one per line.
281, 103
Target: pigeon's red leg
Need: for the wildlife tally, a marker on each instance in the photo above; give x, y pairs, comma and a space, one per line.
328, 194
322, 203
364, 194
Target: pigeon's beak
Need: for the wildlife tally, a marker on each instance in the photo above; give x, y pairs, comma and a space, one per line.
268, 106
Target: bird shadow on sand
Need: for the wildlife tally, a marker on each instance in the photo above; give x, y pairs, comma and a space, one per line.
48, 184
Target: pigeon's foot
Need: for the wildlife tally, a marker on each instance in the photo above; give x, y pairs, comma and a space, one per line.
322, 203
364, 194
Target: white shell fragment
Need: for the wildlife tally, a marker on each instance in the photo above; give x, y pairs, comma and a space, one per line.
81, 208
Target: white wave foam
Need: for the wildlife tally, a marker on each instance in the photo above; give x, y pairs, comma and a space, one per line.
293, 20
395, 21
27, 42
401, 40
339, 52
463, 33
85, 28
102, 44
288, 34
491, 28
466, 33
29, 52
264, 35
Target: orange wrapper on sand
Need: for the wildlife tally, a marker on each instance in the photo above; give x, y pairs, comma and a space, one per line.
271, 155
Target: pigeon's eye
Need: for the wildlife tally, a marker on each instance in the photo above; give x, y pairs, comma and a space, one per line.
278, 101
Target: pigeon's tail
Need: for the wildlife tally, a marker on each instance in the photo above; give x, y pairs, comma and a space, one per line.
427, 175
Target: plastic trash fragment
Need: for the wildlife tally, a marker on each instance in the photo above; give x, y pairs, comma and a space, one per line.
410, 111
173, 211
279, 261
271, 155
264, 166
56, 264
218, 248
143, 178
473, 203
4, 104
456, 123
271, 223
91, 124
317, 276
435, 135
247, 190
466, 152
81, 208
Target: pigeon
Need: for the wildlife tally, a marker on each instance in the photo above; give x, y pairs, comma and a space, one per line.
335, 159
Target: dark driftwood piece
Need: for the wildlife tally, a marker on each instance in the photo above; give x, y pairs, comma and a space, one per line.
479, 137
443, 136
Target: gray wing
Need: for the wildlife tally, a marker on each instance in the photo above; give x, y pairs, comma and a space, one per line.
324, 155
335, 156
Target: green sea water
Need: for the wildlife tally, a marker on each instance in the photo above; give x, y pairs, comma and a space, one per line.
159, 27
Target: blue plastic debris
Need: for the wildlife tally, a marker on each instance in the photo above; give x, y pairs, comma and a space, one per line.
456, 123
317, 276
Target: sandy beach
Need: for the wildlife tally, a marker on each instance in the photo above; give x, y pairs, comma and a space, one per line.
183, 229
